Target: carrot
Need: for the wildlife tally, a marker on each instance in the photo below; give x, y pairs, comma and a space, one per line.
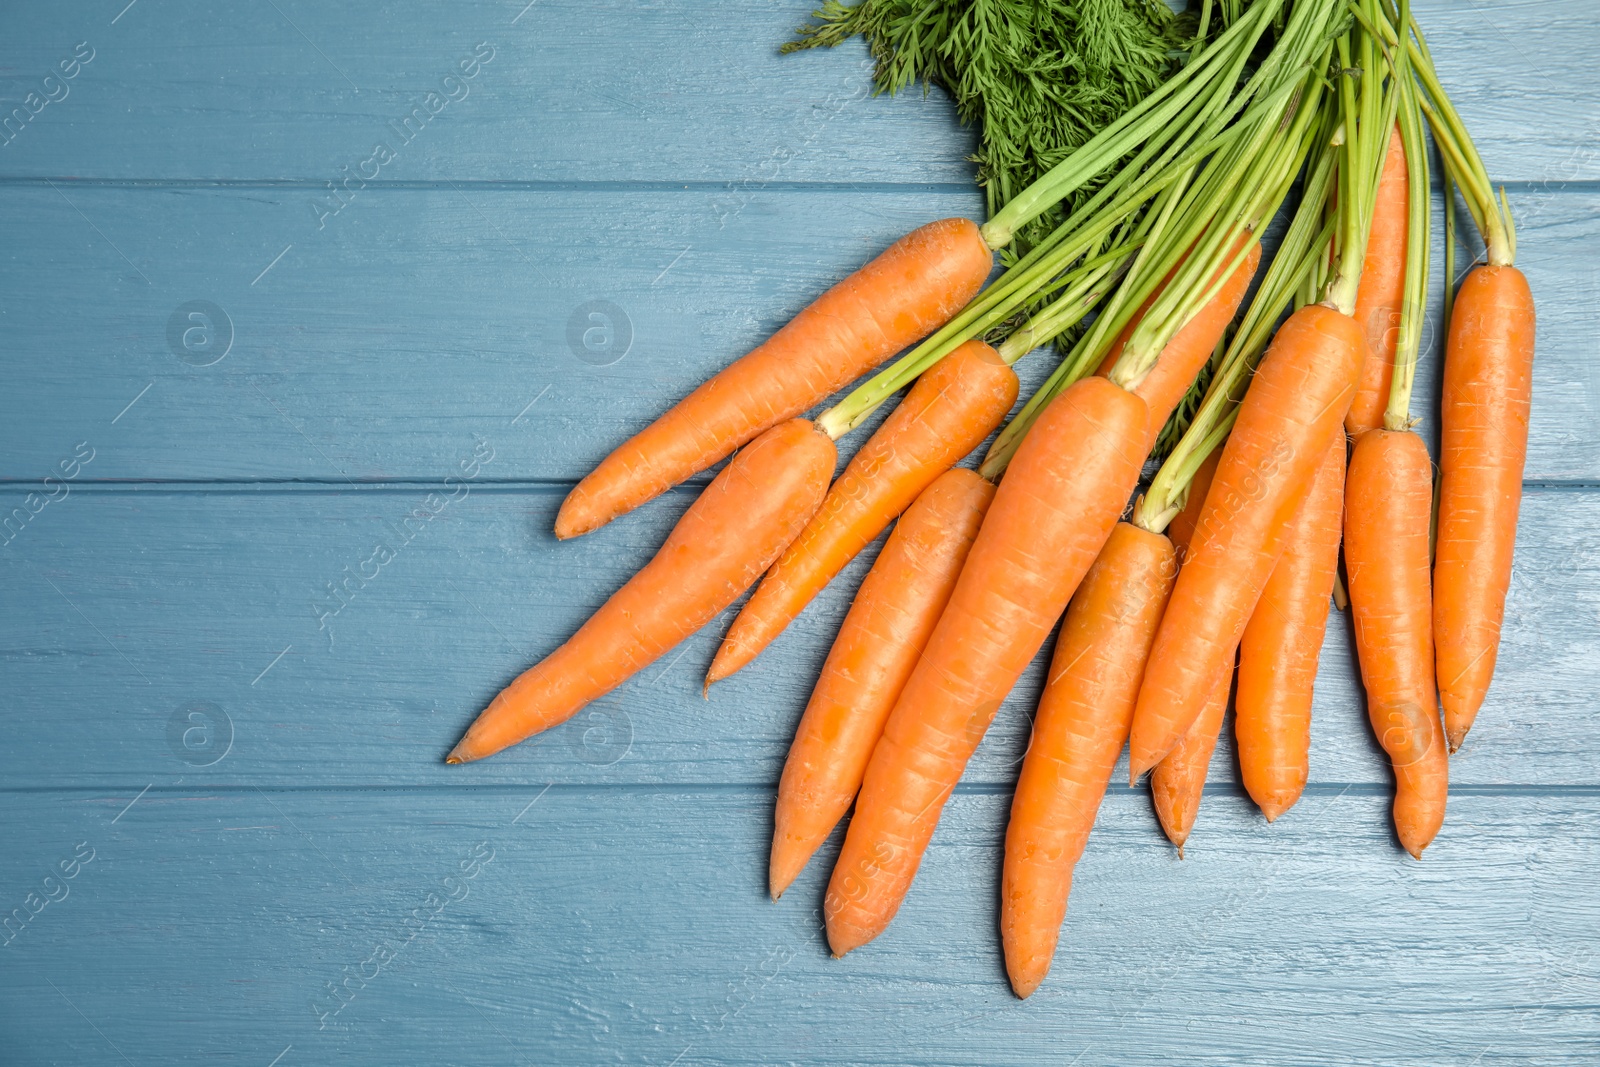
1179, 780
882, 636
1282, 643
1296, 400
1389, 498
947, 413
912, 288
729, 535
1078, 731
1191, 346
1484, 410
1057, 505
1488, 375
1382, 290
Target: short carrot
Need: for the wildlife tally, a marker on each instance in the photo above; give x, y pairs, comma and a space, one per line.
1296, 400
729, 535
915, 286
878, 644
1488, 375
1059, 501
948, 412
1282, 645
1078, 732
1382, 290
1389, 498
1388, 508
1179, 780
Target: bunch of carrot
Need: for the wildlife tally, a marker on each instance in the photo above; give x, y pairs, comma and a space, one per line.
1301, 441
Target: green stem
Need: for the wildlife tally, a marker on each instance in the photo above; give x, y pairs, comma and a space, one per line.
1491, 214
1151, 117
1304, 244
1413, 309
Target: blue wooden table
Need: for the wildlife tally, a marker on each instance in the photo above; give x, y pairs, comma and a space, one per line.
270, 272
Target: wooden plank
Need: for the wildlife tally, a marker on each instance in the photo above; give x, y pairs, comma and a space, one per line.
570, 92
377, 348
583, 92
136, 608
614, 925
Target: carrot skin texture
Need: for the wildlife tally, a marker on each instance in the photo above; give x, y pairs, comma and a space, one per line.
729, 535
1057, 504
1488, 387
1078, 732
1178, 782
946, 414
1190, 348
1388, 501
884, 633
911, 289
1296, 401
1382, 290
1282, 644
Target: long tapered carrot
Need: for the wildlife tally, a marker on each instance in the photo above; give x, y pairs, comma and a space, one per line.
729, 535
1488, 387
1382, 290
1484, 409
909, 290
1057, 505
1299, 395
1179, 780
878, 644
1389, 498
1078, 731
947, 413
1191, 346
1282, 645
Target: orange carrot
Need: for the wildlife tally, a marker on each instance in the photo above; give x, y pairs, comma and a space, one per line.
1382, 290
909, 290
1057, 505
946, 414
1079, 730
1282, 643
1191, 346
1179, 780
733, 532
1388, 501
883, 635
1296, 400
1488, 374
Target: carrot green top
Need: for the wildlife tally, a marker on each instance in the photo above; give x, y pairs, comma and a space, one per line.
1305, 246
1199, 113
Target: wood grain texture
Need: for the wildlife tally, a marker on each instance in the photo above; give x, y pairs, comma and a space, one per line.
160, 642
632, 926
134, 603
375, 349
614, 91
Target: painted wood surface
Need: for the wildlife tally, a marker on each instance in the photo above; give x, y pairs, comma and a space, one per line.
170, 640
